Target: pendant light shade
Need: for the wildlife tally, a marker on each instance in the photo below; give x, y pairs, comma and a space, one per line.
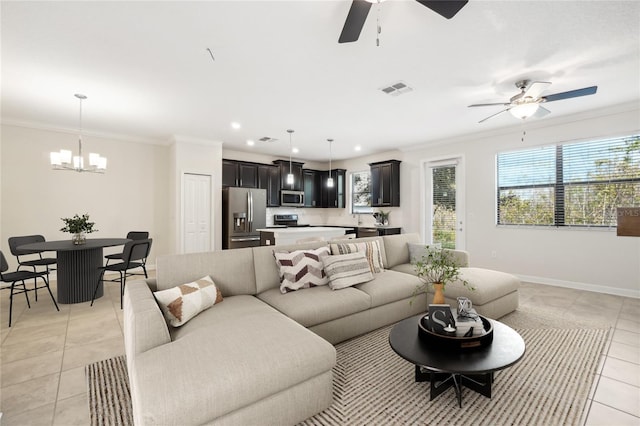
330, 179
65, 160
290, 179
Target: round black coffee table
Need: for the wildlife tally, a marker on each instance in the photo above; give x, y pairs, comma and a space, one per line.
452, 368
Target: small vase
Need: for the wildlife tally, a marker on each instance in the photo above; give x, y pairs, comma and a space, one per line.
79, 238
438, 295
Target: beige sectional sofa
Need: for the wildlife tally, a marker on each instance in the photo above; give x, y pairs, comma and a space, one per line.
260, 356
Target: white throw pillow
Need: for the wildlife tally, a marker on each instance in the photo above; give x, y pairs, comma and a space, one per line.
371, 249
346, 270
301, 268
181, 303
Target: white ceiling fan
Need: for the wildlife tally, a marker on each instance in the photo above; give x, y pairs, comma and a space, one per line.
527, 102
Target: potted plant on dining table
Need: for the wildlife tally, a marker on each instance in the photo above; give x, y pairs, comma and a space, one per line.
437, 267
78, 226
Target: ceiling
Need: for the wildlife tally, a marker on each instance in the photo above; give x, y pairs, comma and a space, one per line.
148, 75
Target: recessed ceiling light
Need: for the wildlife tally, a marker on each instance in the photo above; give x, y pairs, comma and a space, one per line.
295, 150
250, 142
235, 125
357, 148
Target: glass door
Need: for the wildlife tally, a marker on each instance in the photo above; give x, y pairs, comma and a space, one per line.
444, 203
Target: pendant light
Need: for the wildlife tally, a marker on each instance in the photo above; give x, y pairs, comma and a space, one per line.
62, 160
290, 175
330, 180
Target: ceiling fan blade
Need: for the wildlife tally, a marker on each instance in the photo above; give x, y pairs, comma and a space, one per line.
446, 8
355, 21
536, 88
493, 104
570, 94
493, 115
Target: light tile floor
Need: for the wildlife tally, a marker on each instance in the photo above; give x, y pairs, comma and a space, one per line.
44, 354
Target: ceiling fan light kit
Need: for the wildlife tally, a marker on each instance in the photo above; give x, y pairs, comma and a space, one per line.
527, 103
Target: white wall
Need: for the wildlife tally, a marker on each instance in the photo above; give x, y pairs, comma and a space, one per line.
589, 259
131, 195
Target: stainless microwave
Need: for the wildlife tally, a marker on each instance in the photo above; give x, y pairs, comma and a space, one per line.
291, 198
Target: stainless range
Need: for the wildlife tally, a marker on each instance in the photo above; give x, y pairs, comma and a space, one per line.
288, 220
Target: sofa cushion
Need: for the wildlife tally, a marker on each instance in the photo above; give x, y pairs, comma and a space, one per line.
346, 270
371, 249
226, 366
317, 305
301, 268
390, 287
183, 302
417, 251
231, 270
395, 247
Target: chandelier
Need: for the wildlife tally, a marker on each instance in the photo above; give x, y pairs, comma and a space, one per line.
65, 160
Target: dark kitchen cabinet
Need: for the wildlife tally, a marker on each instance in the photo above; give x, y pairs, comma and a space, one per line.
239, 173
312, 187
334, 197
385, 183
296, 170
269, 179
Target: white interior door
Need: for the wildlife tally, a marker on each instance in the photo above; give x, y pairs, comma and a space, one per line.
196, 226
445, 203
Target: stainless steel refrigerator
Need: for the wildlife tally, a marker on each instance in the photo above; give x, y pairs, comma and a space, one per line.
244, 210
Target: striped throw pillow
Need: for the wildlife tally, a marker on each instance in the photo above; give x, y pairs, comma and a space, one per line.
301, 268
371, 249
346, 270
181, 303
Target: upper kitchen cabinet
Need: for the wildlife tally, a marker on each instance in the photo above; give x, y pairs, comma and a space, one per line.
334, 197
269, 179
312, 184
239, 173
385, 183
296, 170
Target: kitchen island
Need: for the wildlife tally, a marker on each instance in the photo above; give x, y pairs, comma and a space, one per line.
281, 236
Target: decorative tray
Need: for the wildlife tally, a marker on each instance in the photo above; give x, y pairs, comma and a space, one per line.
452, 342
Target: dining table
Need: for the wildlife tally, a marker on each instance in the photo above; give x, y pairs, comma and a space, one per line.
78, 266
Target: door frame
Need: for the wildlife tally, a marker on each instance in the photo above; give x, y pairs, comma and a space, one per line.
212, 214
426, 197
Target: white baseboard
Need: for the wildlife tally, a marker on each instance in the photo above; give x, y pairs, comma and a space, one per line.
617, 291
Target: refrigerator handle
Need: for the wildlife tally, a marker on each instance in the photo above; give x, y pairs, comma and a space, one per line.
250, 211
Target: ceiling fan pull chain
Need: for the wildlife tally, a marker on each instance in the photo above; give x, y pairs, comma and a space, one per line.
379, 28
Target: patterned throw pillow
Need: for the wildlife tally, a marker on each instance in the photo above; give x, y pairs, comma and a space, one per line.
346, 270
371, 249
301, 268
181, 303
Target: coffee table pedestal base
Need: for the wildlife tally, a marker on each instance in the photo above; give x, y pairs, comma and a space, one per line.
440, 382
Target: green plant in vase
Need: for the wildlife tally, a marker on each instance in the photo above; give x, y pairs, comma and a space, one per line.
437, 267
382, 217
78, 226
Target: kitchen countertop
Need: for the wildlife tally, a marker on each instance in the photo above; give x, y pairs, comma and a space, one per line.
302, 229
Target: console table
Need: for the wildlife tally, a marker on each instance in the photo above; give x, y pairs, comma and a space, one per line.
78, 267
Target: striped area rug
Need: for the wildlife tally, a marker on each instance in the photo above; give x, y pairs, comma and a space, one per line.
374, 386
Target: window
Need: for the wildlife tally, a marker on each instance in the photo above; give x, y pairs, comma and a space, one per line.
575, 184
361, 192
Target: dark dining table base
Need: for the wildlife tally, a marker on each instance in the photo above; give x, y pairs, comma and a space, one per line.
81, 270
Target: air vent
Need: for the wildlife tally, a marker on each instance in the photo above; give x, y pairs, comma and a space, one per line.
267, 139
396, 89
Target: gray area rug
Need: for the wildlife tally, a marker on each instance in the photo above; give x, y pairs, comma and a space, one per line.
374, 386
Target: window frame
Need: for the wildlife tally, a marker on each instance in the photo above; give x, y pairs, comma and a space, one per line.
561, 183
357, 209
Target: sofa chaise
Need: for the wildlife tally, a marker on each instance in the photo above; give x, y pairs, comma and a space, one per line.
261, 356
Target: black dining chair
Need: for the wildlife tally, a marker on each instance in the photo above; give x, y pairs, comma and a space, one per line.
31, 258
134, 252
13, 278
132, 235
